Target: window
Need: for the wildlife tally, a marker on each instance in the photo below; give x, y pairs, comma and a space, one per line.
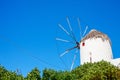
83, 44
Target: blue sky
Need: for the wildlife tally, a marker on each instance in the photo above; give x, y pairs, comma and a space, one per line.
28, 29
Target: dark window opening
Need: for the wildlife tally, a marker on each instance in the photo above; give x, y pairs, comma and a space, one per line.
83, 44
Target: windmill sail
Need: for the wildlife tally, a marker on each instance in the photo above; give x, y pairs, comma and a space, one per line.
59, 39
67, 32
63, 29
73, 62
71, 30
68, 50
80, 28
85, 31
71, 34
63, 40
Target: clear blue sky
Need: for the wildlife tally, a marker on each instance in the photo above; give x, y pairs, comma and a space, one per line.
28, 28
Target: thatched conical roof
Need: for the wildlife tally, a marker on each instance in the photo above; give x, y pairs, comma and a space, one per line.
96, 34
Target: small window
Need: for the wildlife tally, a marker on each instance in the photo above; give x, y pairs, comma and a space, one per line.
83, 44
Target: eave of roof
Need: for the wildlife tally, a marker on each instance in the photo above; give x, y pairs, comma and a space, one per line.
96, 34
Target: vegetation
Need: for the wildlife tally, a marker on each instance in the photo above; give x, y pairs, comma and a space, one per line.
90, 71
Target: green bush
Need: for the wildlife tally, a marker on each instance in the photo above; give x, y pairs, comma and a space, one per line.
89, 71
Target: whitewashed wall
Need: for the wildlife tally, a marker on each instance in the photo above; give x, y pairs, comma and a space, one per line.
94, 50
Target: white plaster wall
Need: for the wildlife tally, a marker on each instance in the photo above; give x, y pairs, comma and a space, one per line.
115, 62
99, 49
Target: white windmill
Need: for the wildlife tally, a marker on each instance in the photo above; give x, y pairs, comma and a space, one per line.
94, 47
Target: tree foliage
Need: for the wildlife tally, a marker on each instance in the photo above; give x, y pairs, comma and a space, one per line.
97, 71
9, 75
89, 71
34, 75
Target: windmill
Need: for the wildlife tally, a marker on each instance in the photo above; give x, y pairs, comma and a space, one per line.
97, 45
71, 34
94, 46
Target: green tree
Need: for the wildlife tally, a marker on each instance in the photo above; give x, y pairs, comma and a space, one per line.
34, 75
48, 74
90, 71
9, 75
97, 71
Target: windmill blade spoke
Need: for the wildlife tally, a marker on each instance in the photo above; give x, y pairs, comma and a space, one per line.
73, 62
66, 32
68, 50
72, 48
76, 51
72, 34
80, 27
63, 40
69, 24
64, 53
63, 29
85, 30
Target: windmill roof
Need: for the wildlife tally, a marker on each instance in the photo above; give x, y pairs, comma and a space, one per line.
96, 34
